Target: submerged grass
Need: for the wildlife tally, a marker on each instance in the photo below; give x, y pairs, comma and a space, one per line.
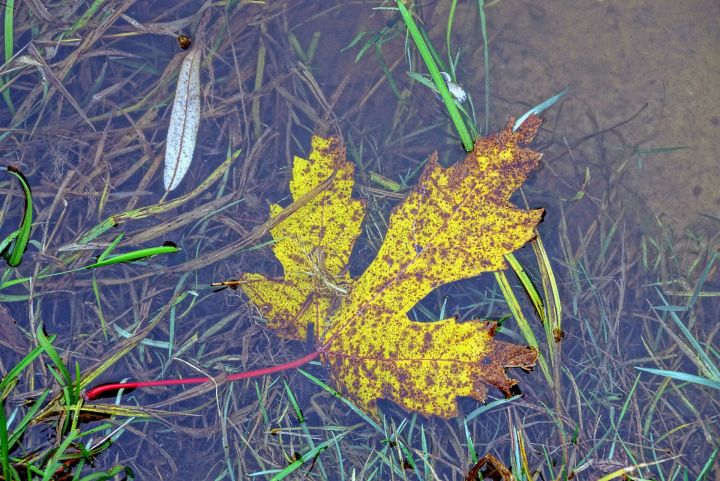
602, 302
23, 454
14, 245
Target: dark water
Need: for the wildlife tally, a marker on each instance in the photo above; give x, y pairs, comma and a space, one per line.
628, 182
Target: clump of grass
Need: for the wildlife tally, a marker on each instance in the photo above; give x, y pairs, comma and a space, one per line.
24, 453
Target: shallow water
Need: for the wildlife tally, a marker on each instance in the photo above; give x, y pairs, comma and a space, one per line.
628, 183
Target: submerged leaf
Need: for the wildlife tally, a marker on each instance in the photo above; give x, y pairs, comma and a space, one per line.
455, 224
184, 121
313, 245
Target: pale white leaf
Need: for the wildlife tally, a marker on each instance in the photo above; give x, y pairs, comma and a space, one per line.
184, 121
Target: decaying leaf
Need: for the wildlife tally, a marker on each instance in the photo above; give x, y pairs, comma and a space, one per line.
313, 245
455, 224
184, 121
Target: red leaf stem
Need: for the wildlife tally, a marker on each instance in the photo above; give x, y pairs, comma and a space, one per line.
97, 391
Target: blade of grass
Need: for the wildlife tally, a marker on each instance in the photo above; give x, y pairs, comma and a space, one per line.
708, 465
527, 285
701, 281
45, 342
539, 108
682, 376
179, 294
448, 34
522, 323
118, 259
54, 464
96, 287
489, 406
553, 305
439, 62
14, 257
8, 382
25, 421
312, 48
99, 310
80, 22
306, 431
616, 424
304, 458
9, 35
427, 57
134, 256
259, 74
700, 358
108, 250
486, 63
386, 71
5, 445
622, 472
7, 241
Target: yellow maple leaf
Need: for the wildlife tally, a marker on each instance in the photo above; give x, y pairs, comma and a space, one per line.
313, 244
455, 224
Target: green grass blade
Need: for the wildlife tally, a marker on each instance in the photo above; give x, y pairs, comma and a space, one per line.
439, 63
427, 57
309, 456
306, 431
539, 108
527, 285
11, 377
4, 444
448, 33
54, 463
29, 416
9, 35
80, 22
168, 248
78, 376
682, 376
489, 406
422, 80
708, 466
180, 294
293, 400
522, 322
134, 256
552, 318
486, 63
110, 474
702, 360
98, 230
54, 357
113, 245
5, 243
701, 281
14, 256
100, 313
